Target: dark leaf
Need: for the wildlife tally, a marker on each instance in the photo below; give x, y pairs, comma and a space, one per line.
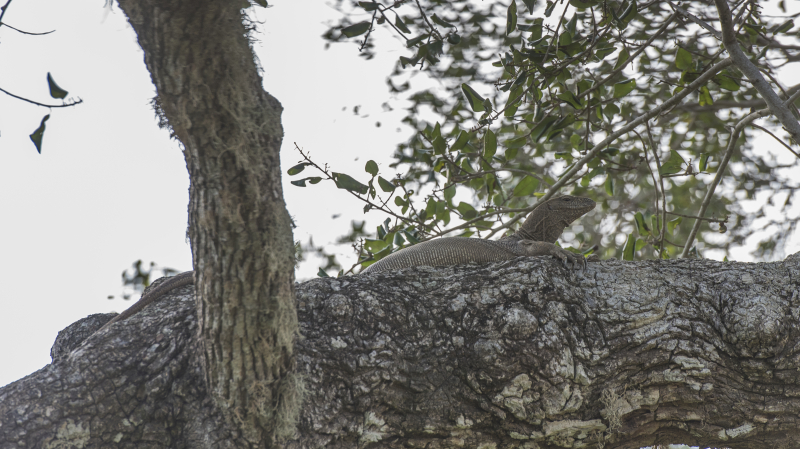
475, 101
356, 30
37, 135
55, 91
346, 182
371, 167
297, 168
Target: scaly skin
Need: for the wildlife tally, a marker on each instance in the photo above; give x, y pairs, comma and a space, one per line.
536, 237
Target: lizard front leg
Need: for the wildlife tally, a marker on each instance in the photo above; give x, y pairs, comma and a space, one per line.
568, 258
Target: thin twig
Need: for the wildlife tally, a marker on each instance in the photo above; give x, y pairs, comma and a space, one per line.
777, 138
694, 85
65, 105
663, 192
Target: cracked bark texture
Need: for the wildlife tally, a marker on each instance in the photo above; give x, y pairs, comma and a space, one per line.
520, 353
210, 95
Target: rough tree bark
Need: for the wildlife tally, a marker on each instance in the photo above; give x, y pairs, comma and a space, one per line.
516, 354
211, 96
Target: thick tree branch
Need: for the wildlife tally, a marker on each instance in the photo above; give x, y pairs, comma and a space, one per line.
744, 64
625, 354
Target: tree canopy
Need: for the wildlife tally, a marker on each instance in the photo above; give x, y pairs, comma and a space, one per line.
641, 106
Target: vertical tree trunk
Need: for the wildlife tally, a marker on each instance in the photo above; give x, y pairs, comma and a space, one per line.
210, 95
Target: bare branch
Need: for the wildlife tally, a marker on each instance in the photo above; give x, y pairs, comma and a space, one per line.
744, 64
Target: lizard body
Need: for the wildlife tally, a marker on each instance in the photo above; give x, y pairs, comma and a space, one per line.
534, 238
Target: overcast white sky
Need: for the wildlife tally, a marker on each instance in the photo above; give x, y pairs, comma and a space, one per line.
110, 187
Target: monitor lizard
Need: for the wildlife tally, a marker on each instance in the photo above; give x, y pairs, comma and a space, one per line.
536, 237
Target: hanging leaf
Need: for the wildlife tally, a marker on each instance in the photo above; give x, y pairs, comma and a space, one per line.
55, 91
623, 88
439, 21
356, 30
511, 18
705, 96
369, 6
704, 162
466, 210
297, 168
489, 145
630, 248
641, 226
673, 165
526, 187
37, 135
385, 185
398, 22
475, 101
371, 167
461, 141
622, 58
346, 182
683, 59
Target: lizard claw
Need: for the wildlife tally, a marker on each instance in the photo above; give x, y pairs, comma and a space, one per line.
569, 259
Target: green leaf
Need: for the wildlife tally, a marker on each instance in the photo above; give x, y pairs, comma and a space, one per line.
439, 145
727, 82
623, 57
530, 4
623, 88
630, 247
461, 141
37, 135
610, 111
412, 42
517, 143
369, 6
629, 13
683, 59
784, 27
672, 224
526, 187
410, 237
321, 273
466, 210
371, 167
385, 185
705, 96
551, 5
55, 91
511, 17
541, 128
398, 22
439, 21
570, 98
673, 165
475, 101
641, 226
489, 144
582, 4
605, 51
299, 182
704, 162
356, 30
449, 192
576, 141
297, 168
609, 186
346, 182
398, 201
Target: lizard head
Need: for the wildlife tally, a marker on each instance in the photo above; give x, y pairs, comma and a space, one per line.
547, 222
